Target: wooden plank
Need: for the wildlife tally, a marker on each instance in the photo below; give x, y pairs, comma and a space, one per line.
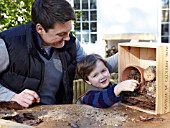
82, 87
143, 44
74, 91
147, 57
165, 79
140, 109
159, 82
78, 88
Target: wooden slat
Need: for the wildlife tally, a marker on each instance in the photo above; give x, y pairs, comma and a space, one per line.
74, 91
79, 87
159, 82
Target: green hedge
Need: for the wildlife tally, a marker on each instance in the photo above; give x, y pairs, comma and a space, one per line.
14, 12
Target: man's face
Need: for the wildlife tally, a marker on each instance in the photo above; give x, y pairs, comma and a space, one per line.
100, 76
57, 36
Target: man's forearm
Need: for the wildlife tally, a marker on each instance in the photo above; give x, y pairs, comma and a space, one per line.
113, 63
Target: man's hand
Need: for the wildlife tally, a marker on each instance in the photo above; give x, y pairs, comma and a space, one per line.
26, 98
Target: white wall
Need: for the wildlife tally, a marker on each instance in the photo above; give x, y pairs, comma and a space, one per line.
127, 16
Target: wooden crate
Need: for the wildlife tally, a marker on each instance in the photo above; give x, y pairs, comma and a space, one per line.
143, 55
112, 40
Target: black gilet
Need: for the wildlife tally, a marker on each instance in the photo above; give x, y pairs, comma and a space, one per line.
26, 69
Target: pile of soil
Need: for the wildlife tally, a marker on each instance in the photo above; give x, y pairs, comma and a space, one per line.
76, 116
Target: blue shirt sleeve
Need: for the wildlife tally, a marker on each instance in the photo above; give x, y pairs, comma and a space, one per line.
101, 99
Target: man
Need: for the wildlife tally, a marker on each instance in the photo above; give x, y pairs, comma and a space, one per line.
42, 56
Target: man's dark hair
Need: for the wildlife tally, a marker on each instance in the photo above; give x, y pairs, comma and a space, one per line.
87, 64
49, 12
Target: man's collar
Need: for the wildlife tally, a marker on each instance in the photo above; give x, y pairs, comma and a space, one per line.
39, 40
45, 51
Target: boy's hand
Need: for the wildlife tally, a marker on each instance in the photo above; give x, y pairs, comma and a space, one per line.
26, 98
127, 85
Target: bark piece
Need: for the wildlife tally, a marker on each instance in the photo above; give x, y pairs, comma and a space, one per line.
10, 105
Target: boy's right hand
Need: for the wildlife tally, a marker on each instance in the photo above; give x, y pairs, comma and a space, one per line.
26, 98
127, 85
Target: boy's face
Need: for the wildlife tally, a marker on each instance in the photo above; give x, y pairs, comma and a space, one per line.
57, 36
100, 76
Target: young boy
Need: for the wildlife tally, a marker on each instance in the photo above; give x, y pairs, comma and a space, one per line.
93, 70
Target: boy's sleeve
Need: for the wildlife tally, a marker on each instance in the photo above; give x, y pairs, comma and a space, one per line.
101, 99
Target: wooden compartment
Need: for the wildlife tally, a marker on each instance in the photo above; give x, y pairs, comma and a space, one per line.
144, 55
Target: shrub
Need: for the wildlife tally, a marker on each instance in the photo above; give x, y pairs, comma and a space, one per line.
14, 12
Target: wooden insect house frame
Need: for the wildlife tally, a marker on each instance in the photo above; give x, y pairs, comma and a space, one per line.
147, 55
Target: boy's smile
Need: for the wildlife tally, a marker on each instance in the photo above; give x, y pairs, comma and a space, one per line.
100, 76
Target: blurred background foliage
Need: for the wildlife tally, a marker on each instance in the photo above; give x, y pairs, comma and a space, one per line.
14, 12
